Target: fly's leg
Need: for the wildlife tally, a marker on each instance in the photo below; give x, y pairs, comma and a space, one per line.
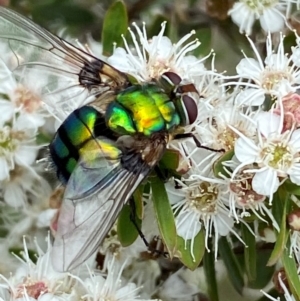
198, 144
133, 219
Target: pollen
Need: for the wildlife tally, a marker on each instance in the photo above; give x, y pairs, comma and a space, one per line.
227, 138
26, 99
272, 78
277, 156
259, 5
32, 289
241, 186
203, 198
9, 140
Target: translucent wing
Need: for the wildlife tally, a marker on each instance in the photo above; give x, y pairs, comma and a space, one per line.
70, 71
94, 196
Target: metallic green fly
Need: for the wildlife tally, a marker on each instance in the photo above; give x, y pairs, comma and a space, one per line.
103, 150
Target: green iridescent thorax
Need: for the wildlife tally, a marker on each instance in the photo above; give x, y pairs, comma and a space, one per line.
144, 109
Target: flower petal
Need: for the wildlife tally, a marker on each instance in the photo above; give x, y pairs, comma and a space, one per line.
265, 182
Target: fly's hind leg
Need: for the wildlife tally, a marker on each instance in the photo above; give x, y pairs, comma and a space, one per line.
133, 219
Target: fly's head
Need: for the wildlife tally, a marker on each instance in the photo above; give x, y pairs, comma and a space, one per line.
180, 94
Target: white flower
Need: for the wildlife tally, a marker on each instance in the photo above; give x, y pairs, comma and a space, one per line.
270, 13
145, 273
295, 245
8, 263
178, 288
32, 218
198, 203
20, 98
37, 281
151, 58
215, 128
276, 154
22, 185
113, 250
242, 199
17, 146
112, 287
277, 75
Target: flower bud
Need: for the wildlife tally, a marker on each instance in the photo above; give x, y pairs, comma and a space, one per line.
294, 220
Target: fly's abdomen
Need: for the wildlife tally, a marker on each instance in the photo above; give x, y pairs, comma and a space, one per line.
143, 109
81, 127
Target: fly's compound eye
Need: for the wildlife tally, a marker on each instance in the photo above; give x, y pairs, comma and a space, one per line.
172, 78
168, 81
190, 109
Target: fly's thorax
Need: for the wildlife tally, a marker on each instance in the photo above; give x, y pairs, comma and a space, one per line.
144, 109
76, 135
149, 149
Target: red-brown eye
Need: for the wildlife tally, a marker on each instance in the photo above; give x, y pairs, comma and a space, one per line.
190, 109
174, 78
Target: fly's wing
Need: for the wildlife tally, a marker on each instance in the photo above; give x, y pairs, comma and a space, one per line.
93, 199
70, 71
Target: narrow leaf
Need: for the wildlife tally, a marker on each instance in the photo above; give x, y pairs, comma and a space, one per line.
264, 273
170, 159
191, 255
164, 215
115, 24
279, 210
204, 36
127, 232
290, 267
232, 265
155, 27
218, 166
291, 187
210, 275
138, 200
20, 253
249, 252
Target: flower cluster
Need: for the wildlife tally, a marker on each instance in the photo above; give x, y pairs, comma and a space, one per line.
231, 174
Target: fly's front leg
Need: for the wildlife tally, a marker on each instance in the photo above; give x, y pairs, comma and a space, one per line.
198, 144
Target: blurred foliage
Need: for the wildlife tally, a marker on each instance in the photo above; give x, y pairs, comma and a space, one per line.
214, 29
78, 18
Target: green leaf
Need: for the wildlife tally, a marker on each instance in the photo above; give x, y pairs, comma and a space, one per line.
204, 36
42, 138
279, 209
155, 27
234, 270
290, 267
115, 24
170, 159
218, 167
184, 250
138, 200
210, 275
164, 215
249, 252
20, 253
72, 15
127, 232
291, 187
280, 200
263, 273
